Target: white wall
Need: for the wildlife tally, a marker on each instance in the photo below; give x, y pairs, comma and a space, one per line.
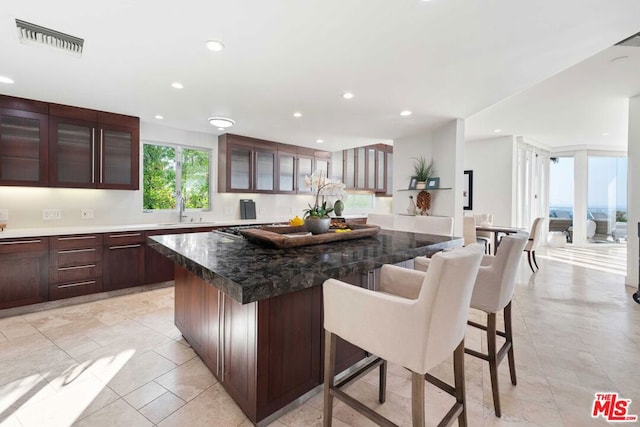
404, 151
633, 194
116, 207
494, 180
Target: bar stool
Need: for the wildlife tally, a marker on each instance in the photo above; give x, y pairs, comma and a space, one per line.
493, 292
416, 321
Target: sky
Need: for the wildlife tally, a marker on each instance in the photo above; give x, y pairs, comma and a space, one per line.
607, 182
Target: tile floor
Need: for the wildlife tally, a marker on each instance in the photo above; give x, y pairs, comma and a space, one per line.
122, 362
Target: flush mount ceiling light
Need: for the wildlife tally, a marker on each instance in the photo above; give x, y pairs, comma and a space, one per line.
221, 122
29, 33
297, 115
158, 116
6, 80
405, 113
215, 45
177, 85
347, 95
497, 130
605, 134
319, 141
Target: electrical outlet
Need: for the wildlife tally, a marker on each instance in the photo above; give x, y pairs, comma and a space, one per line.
86, 214
4, 214
49, 214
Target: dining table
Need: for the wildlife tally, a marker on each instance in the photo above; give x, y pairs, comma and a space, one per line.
497, 230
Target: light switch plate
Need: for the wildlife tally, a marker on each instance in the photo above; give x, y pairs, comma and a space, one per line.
4, 214
49, 214
86, 214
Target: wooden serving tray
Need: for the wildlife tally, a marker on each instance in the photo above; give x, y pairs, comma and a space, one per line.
291, 237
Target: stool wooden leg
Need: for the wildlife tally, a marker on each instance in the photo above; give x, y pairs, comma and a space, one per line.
329, 375
417, 399
529, 259
493, 361
382, 390
508, 331
533, 255
458, 374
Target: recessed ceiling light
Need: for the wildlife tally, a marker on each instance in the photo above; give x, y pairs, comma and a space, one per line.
220, 128
405, 113
6, 80
297, 114
347, 95
605, 134
221, 122
215, 45
158, 116
177, 85
319, 141
497, 130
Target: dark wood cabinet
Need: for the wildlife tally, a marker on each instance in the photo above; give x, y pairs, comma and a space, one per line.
246, 164
250, 165
23, 271
368, 168
123, 260
24, 142
75, 265
92, 149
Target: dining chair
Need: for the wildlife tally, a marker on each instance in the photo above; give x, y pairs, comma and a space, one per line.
532, 244
415, 320
469, 233
492, 293
485, 236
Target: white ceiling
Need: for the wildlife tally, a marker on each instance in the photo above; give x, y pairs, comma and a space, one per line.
441, 59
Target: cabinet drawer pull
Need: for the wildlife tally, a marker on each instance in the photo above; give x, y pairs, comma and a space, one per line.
93, 155
73, 285
76, 267
75, 251
77, 238
20, 242
101, 156
125, 235
125, 246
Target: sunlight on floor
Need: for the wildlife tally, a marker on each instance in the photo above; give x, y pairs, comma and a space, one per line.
609, 258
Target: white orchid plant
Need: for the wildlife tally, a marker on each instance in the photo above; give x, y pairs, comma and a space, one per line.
322, 186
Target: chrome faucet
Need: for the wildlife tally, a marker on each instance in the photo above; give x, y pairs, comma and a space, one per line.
181, 214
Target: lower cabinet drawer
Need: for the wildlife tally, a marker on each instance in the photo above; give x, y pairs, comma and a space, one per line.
75, 273
74, 289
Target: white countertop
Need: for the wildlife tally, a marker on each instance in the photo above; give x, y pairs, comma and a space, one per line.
12, 233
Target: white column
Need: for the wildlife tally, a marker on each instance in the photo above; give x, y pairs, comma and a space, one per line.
633, 192
580, 178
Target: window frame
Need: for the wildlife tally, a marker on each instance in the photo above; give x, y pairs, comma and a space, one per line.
178, 182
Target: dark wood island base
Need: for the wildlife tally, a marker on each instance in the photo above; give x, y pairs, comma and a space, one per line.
267, 353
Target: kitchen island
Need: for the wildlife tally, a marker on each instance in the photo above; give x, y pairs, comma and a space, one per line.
254, 314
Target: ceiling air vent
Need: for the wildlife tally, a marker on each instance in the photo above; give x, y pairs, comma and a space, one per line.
634, 40
35, 34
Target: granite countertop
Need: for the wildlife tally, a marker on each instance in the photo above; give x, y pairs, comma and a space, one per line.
12, 233
249, 272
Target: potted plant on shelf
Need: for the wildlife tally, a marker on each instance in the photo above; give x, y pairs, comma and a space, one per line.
423, 171
316, 218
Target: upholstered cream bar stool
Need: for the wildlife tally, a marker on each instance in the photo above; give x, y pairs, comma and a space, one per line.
416, 320
492, 293
470, 235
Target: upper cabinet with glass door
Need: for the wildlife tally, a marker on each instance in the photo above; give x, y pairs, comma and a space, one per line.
246, 165
368, 168
24, 142
91, 149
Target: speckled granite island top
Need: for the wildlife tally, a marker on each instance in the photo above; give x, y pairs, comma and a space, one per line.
249, 272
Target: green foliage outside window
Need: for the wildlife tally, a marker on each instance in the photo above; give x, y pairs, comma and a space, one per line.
165, 168
159, 180
195, 178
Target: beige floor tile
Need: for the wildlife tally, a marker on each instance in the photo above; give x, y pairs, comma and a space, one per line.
176, 352
212, 408
145, 394
162, 407
125, 373
118, 413
188, 380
